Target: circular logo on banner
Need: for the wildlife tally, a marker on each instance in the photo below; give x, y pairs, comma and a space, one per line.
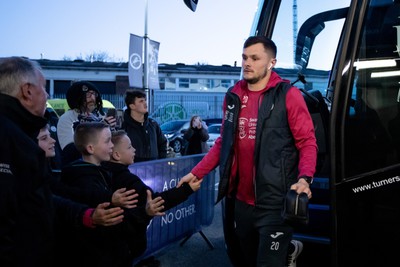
135, 61
173, 111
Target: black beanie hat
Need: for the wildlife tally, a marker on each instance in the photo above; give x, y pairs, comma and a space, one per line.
76, 95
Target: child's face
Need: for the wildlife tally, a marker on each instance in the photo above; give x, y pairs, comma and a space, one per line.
103, 148
126, 150
46, 142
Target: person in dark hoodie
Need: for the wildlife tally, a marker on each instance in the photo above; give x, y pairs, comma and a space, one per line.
144, 132
28, 207
123, 155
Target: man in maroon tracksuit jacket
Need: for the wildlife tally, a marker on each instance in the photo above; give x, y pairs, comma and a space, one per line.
267, 147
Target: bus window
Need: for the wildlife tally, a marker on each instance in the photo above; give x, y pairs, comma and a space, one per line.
310, 52
372, 126
318, 51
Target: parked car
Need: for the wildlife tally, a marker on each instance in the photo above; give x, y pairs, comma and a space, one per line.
60, 105
212, 121
174, 130
214, 131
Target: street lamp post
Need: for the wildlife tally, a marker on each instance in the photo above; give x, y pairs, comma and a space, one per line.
146, 61
192, 4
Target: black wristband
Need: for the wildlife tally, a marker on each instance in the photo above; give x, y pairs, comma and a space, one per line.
308, 179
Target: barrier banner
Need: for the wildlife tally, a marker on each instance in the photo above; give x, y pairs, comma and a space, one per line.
188, 217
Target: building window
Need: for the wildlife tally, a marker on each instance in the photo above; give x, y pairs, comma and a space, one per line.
169, 83
226, 83
184, 82
162, 83
204, 84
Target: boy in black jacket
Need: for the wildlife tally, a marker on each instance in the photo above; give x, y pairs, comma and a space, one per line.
86, 181
123, 155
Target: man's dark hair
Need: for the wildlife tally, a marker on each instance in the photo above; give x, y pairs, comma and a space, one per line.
131, 96
268, 44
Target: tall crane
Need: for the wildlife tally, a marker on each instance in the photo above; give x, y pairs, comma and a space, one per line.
294, 29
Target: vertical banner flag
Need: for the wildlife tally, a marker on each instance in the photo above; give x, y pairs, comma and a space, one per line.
135, 66
153, 64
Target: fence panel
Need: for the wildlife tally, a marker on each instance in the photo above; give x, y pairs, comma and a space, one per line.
170, 105
188, 217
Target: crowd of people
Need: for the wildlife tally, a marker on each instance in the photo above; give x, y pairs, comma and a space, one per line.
29, 208
95, 212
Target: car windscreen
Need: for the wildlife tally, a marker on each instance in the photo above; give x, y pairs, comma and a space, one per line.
214, 129
171, 125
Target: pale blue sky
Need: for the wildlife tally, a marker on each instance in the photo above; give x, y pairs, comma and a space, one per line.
214, 34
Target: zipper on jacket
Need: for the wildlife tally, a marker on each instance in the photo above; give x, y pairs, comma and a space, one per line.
255, 185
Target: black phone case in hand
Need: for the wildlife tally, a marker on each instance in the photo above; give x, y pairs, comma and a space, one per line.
295, 210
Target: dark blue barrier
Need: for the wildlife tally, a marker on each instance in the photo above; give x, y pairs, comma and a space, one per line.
186, 218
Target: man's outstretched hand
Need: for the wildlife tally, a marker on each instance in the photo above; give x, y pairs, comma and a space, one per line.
186, 179
107, 217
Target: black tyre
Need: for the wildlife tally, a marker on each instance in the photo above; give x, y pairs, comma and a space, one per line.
177, 146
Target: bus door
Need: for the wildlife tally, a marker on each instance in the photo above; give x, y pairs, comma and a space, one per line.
349, 51
307, 35
365, 137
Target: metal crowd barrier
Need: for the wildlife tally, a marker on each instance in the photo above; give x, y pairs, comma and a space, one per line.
188, 217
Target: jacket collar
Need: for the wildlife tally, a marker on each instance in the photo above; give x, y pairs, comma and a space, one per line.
273, 81
114, 167
130, 121
11, 108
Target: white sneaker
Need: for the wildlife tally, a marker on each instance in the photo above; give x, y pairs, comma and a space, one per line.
298, 248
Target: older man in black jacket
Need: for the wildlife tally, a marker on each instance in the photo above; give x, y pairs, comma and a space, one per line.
27, 205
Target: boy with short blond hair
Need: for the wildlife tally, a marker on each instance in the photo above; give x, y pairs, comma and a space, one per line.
99, 246
123, 154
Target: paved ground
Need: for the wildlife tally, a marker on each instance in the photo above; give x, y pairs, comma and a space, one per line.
196, 252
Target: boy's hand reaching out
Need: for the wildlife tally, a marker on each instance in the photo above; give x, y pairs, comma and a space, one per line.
154, 206
125, 199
